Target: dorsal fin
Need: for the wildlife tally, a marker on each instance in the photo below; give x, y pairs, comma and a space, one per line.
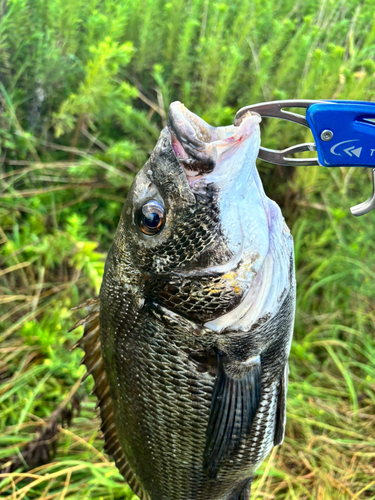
90, 343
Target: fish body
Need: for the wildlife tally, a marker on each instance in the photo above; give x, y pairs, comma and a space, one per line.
190, 338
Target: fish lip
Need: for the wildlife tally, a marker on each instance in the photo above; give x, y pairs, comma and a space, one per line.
187, 127
190, 136
198, 146
190, 129
240, 117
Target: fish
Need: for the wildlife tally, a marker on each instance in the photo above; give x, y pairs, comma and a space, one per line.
189, 338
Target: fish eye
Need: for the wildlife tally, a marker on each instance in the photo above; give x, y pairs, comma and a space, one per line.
151, 218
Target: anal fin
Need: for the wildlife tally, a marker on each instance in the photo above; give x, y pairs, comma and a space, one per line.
234, 404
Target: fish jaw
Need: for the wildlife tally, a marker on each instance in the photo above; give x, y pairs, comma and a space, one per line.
223, 159
204, 150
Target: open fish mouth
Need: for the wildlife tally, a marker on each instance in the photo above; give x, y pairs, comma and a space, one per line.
198, 146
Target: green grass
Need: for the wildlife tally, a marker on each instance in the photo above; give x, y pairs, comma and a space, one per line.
84, 91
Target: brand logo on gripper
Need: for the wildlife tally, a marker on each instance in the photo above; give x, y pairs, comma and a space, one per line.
350, 151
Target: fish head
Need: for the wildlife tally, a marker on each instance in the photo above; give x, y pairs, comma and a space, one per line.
196, 223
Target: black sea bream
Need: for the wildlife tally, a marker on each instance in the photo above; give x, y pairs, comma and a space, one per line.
189, 339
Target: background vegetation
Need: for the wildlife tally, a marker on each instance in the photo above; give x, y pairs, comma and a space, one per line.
84, 91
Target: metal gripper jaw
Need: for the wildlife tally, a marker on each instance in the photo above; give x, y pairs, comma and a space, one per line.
367, 205
343, 131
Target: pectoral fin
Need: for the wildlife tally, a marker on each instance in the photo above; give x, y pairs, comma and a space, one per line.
244, 492
235, 401
281, 408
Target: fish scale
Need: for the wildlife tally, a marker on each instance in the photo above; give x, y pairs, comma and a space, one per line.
159, 394
177, 443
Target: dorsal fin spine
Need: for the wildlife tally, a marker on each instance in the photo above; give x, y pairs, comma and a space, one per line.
90, 343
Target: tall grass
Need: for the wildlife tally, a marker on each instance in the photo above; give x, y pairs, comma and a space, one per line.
84, 91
